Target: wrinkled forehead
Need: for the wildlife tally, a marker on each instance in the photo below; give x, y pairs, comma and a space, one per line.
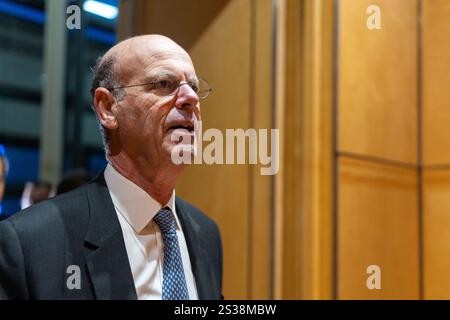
152, 57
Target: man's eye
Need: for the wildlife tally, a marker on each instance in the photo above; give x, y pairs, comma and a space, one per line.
194, 88
164, 84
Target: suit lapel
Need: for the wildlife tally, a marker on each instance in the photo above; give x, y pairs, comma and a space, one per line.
108, 264
200, 266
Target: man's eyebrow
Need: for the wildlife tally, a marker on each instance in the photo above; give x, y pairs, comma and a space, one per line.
193, 79
164, 74
159, 75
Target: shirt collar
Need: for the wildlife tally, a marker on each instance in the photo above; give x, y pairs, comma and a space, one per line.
133, 203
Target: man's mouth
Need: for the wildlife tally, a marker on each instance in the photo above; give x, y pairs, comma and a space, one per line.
188, 126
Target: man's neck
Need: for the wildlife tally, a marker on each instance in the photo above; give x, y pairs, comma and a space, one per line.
159, 184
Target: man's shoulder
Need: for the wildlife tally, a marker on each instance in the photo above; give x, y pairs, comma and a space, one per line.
52, 212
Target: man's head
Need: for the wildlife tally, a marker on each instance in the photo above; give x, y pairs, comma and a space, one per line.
40, 191
140, 120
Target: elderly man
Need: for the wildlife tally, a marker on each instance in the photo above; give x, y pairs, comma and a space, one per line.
125, 235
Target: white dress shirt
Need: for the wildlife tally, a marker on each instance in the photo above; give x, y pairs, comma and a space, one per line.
135, 210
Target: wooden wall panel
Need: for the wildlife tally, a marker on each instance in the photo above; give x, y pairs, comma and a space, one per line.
378, 225
262, 198
435, 83
436, 147
377, 96
436, 206
304, 201
177, 19
316, 143
377, 212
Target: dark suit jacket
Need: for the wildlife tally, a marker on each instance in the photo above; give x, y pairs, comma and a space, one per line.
81, 228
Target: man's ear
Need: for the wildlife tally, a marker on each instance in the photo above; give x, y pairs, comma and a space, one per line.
103, 103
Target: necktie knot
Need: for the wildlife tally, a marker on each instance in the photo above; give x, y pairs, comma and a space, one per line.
165, 221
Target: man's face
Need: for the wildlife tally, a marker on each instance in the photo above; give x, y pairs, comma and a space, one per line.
2, 178
148, 119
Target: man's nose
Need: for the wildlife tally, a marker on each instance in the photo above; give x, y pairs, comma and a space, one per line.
186, 97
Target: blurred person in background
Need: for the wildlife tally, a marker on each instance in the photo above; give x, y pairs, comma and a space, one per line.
72, 180
35, 192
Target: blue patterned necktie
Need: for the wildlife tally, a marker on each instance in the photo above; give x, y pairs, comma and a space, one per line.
174, 282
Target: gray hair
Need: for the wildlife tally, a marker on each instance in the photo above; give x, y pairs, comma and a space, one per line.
104, 75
